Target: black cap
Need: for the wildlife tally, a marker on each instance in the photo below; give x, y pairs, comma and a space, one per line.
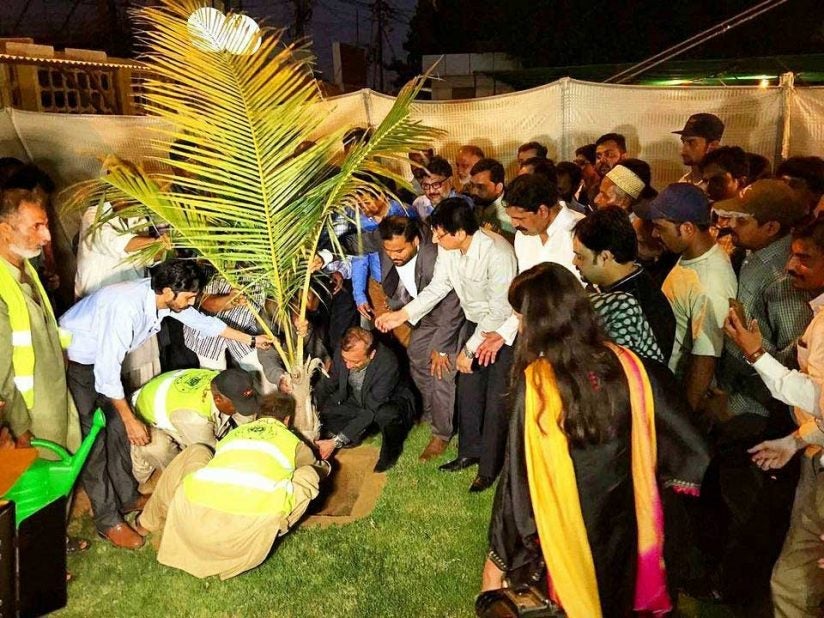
238, 386
708, 126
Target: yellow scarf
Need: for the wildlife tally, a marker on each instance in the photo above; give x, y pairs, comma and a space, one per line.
556, 504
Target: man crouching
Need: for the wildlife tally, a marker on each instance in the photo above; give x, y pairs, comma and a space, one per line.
221, 513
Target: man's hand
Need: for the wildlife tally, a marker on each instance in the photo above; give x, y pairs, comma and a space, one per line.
463, 363
337, 282
301, 326
749, 339
365, 310
390, 320
488, 349
325, 448
316, 265
774, 454
492, 578
6, 439
137, 432
24, 440
285, 384
263, 342
438, 364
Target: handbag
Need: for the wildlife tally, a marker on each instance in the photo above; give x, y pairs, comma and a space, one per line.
522, 601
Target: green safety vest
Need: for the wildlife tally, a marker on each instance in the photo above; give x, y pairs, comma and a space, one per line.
22, 350
188, 389
251, 472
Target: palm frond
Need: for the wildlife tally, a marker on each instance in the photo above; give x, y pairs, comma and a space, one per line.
230, 187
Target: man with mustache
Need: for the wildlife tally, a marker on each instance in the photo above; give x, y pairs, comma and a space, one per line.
701, 135
468, 155
487, 191
757, 506
610, 150
796, 587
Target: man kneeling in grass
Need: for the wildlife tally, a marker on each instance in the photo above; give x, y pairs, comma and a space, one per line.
221, 513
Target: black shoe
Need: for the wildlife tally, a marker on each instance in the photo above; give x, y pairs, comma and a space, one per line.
481, 483
459, 463
391, 446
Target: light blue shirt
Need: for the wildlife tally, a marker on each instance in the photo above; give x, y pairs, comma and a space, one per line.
118, 319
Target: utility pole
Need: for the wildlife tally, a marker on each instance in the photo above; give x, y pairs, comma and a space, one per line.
379, 18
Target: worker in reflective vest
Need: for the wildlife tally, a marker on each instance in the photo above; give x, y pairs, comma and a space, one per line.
190, 406
221, 514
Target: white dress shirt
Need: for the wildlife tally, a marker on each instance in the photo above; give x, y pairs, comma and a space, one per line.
480, 278
530, 251
118, 319
801, 389
101, 252
406, 274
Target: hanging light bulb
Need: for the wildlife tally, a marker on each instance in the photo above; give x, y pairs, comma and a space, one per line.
764, 83
212, 31
241, 35
205, 26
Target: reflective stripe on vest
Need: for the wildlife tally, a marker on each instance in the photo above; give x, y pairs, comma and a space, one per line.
251, 473
188, 389
22, 354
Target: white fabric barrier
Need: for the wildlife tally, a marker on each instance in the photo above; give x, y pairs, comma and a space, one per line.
807, 122
562, 115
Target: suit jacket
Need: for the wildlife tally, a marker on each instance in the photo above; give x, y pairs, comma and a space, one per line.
382, 383
447, 318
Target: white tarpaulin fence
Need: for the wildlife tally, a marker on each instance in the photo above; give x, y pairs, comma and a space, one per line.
563, 115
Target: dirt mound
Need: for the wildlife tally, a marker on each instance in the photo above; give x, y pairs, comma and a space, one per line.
351, 492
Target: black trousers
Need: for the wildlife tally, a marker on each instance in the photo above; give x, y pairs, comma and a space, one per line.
107, 475
352, 421
483, 413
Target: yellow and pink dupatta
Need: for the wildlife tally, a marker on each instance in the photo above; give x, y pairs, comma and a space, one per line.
556, 505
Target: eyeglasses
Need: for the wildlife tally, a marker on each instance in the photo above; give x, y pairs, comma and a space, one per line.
441, 235
434, 186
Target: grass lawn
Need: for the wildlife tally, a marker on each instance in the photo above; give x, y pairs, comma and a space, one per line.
418, 554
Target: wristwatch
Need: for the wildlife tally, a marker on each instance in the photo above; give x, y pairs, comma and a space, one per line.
468, 353
253, 343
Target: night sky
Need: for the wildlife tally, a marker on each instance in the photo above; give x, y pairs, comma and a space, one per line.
342, 20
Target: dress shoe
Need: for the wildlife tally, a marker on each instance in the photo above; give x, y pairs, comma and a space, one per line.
393, 435
481, 483
137, 505
459, 464
435, 448
123, 536
138, 528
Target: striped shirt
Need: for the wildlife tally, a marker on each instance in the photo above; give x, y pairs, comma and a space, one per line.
239, 317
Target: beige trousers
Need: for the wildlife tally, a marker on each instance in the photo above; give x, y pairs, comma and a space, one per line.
797, 583
203, 541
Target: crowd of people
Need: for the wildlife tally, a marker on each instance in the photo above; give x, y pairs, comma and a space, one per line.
638, 370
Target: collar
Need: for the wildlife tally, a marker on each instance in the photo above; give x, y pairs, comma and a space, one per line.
150, 305
638, 270
15, 272
498, 200
817, 303
776, 252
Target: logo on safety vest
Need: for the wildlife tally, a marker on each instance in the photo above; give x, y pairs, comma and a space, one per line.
190, 382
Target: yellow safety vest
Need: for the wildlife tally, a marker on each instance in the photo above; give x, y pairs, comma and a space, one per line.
188, 389
22, 355
251, 472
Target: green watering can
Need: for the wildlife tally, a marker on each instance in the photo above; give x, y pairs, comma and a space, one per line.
45, 481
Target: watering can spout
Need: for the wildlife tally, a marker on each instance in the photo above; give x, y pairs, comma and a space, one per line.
46, 481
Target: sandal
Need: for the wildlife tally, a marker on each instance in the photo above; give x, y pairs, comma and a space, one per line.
75, 545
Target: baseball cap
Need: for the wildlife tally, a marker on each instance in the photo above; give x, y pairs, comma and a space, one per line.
239, 387
681, 202
766, 200
708, 126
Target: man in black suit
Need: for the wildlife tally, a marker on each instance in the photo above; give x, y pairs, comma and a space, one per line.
364, 388
407, 264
